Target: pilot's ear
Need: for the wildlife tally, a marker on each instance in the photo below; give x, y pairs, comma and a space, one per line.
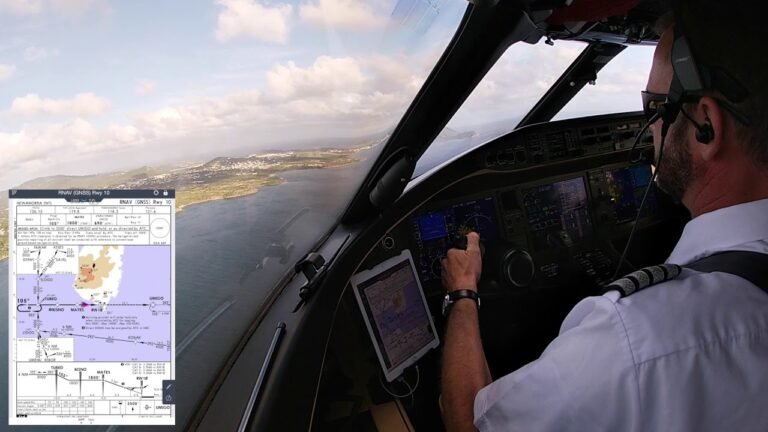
711, 131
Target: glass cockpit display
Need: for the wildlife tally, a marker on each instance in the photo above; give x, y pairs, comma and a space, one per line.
436, 231
557, 213
618, 192
626, 187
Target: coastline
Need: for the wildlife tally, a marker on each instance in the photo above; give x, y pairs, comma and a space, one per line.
276, 180
280, 180
180, 208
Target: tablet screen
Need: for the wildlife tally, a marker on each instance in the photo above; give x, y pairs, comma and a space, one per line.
396, 313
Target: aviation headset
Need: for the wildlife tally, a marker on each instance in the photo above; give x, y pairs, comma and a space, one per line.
689, 82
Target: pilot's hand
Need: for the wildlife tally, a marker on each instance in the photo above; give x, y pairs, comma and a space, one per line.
462, 268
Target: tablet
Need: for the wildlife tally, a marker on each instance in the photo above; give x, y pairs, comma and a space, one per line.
395, 312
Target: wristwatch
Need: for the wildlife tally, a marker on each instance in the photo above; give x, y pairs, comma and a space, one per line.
454, 296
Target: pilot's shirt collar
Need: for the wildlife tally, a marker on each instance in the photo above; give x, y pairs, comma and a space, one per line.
739, 227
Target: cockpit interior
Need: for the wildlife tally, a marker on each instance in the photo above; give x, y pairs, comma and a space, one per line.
322, 159
555, 203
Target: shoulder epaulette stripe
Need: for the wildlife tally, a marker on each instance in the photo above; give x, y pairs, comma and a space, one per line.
644, 278
649, 274
664, 270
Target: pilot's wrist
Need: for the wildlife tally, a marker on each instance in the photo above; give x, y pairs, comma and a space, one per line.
462, 288
460, 296
465, 286
464, 305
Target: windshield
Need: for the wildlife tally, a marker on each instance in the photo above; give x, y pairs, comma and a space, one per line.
505, 95
617, 88
264, 116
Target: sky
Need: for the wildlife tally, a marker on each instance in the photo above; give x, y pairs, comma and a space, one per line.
90, 86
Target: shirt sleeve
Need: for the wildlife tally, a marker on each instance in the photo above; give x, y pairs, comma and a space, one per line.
584, 380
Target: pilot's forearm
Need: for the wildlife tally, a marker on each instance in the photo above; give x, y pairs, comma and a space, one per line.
465, 370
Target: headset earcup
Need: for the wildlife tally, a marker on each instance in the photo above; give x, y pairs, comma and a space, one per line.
704, 133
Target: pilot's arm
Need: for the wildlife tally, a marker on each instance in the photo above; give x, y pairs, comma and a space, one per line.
584, 380
465, 370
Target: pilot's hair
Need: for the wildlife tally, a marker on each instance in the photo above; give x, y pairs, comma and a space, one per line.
732, 35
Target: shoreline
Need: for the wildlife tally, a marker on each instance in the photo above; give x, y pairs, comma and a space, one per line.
244, 195
182, 207
249, 192
282, 180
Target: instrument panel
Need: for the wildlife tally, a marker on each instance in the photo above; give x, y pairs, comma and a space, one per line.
560, 141
618, 193
556, 213
548, 224
433, 232
553, 203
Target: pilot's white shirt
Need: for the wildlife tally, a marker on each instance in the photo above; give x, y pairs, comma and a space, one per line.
690, 354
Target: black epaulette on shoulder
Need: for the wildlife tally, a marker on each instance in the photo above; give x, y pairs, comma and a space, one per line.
644, 278
749, 265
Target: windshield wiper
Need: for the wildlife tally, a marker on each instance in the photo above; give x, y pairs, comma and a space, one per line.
581, 72
314, 268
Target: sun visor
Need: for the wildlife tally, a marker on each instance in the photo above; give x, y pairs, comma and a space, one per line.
591, 10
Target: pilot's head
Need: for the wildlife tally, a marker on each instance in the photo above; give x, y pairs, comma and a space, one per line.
730, 166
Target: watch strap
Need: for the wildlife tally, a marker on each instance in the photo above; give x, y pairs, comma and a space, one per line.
454, 296
464, 293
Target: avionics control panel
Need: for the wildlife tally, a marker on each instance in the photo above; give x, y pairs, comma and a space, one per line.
563, 141
550, 219
434, 231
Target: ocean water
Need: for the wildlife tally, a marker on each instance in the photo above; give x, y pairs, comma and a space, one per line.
220, 280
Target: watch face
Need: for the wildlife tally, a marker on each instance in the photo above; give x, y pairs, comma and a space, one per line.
446, 303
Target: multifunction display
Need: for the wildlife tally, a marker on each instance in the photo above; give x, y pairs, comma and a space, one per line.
436, 231
557, 213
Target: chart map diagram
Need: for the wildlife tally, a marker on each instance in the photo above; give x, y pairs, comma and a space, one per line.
92, 334
57, 318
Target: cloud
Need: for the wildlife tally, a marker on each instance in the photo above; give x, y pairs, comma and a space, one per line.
6, 71
513, 85
250, 19
331, 97
73, 137
36, 146
391, 72
145, 87
370, 90
21, 7
173, 121
82, 104
348, 14
617, 87
36, 54
326, 75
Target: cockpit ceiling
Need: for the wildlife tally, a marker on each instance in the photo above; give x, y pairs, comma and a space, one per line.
591, 10
617, 21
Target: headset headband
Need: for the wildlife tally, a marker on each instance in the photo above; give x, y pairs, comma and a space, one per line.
690, 79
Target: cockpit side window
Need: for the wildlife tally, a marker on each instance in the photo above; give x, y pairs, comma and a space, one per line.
617, 88
515, 83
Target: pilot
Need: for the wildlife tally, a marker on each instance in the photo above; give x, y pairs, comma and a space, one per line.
689, 353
